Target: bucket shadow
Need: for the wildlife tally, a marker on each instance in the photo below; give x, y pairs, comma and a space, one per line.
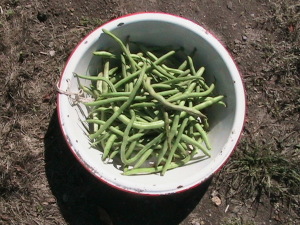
82, 199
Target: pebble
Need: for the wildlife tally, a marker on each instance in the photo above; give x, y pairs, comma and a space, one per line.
216, 200
244, 38
236, 41
229, 5
51, 200
52, 53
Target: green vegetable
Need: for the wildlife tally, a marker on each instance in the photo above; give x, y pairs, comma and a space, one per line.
147, 111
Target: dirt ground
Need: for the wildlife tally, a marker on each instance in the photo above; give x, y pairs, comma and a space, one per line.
42, 183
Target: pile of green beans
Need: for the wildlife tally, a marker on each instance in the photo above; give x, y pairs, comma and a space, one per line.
147, 113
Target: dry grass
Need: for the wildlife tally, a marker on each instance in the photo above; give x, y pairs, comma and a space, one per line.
268, 158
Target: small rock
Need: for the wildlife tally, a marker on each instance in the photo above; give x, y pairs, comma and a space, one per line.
51, 200
244, 38
52, 53
214, 193
236, 41
216, 200
229, 5
236, 209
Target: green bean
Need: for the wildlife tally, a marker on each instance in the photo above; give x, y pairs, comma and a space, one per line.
160, 85
203, 84
193, 142
185, 73
143, 158
175, 145
157, 74
192, 68
115, 94
108, 145
131, 148
162, 153
205, 123
199, 89
100, 139
100, 109
114, 99
88, 91
144, 149
141, 119
143, 105
149, 170
184, 146
167, 129
140, 125
191, 95
172, 70
202, 133
124, 71
144, 117
116, 130
151, 55
106, 101
208, 103
113, 154
112, 71
169, 92
123, 47
183, 151
200, 71
94, 78
163, 72
183, 65
179, 79
135, 74
125, 138
191, 130
146, 51
140, 58
135, 137
204, 105
123, 107
177, 115
105, 54
163, 101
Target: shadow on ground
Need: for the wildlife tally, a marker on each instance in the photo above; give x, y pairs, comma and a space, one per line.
83, 199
